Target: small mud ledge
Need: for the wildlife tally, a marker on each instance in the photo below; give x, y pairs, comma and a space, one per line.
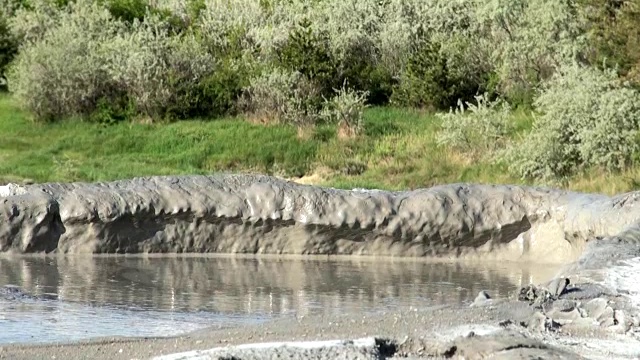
246, 214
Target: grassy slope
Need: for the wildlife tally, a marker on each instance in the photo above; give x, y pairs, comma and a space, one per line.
398, 151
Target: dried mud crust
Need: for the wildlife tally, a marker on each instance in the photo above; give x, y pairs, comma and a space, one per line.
246, 214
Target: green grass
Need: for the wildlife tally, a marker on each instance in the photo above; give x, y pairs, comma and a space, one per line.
70, 151
397, 151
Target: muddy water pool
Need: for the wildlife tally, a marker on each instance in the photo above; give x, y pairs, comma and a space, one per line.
52, 299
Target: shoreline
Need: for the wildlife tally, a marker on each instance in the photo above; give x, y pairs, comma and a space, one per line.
507, 325
560, 323
491, 262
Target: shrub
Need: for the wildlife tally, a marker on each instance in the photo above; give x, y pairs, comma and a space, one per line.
528, 40
613, 31
229, 25
138, 61
346, 110
426, 53
30, 23
283, 96
91, 64
61, 72
171, 76
112, 110
435, 76
203, 85
8, 48
128, 10
479, 130
353, 31
588, 118
440, 56
307, 53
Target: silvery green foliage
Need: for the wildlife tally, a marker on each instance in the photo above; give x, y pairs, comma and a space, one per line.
587, 119
136, 61
220, 18
144, 60
178, 8
189, 58
280, 18
282, 96
346, 109
523, 41
90, 56
63, 72
530, 38
8, 8
30, 25
352, 25
398, 28
478, 129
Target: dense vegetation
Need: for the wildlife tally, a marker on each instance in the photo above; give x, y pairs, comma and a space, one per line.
574, 65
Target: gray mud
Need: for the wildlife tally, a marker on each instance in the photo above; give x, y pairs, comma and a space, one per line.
594, 314
264, 215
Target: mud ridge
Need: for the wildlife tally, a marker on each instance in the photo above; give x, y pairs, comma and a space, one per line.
264, 215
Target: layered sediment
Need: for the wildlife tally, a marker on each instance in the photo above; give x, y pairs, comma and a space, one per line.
264, 215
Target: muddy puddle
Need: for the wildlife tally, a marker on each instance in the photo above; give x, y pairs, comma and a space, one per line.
48, 299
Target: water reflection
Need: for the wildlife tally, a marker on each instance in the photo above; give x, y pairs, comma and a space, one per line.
248, 286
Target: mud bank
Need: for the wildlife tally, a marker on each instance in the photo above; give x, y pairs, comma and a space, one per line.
264, 215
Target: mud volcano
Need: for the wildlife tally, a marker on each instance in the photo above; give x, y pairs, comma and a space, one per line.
265, 215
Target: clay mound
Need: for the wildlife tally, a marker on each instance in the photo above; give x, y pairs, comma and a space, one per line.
265, 215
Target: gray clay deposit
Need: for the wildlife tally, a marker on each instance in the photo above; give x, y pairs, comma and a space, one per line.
264, 215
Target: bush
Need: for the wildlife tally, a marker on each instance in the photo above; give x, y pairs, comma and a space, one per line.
95, 66
203, 84
346, 110
307, 53
8, 48
29, 23
112, 110
212, 93
528, 40
229, 25
185, 58
90, 63
171, 76
128, 10
283, 96
441, 54
431, 79
613, 31
352, 30
62, 71
479, 130
588, 118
